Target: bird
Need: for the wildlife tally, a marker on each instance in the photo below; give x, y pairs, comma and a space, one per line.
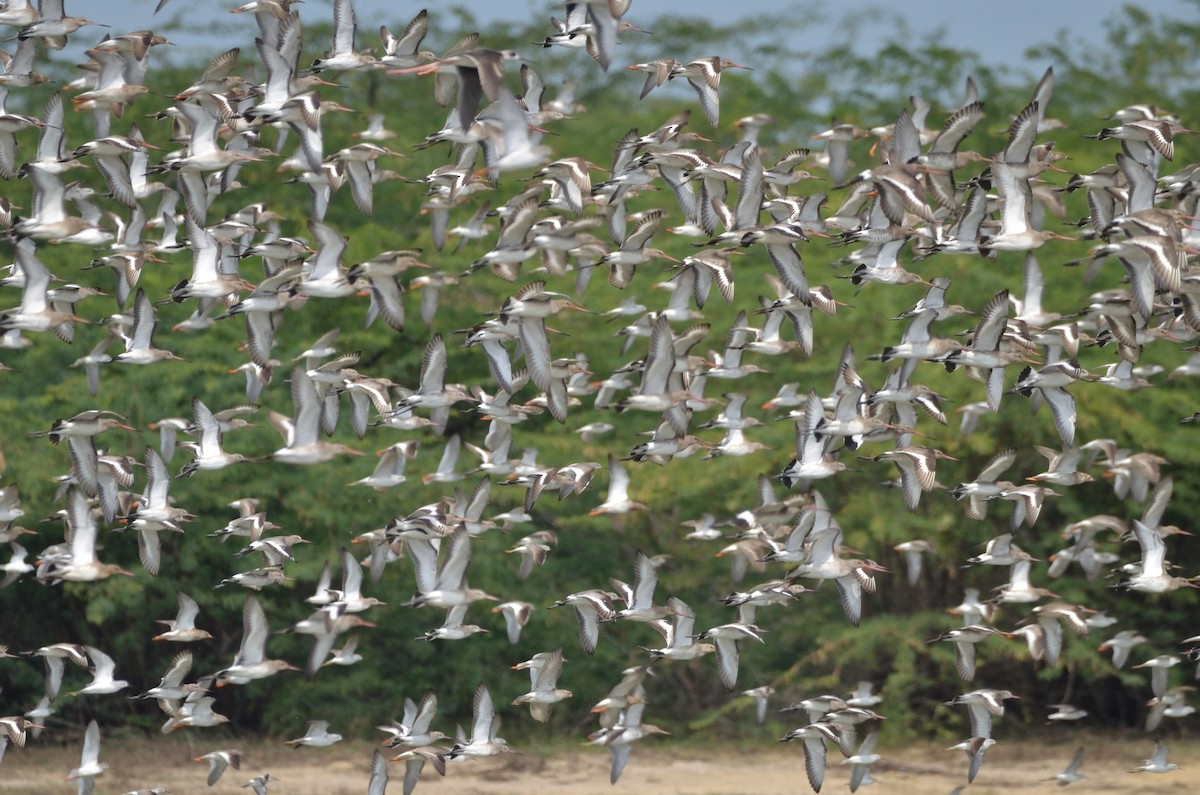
350, 598
1121, 645
516, 615
814, 737
918, 470
343, 56
434, 393
36, 312
195, 226
620, 737
1156, 134
389, 472
975, 748
533, 550
1066, 712
634, 251
299, 432
482, 740
15, 730
591, 608
984, 352
138, 347
965, 639
1160, 667
543, 679
1016, 232
80, 565
452, 627
16, 566
1157, 763
90, 765
1019, 588
725, 638
679, 635
171, 688
443, 584
1071, 773
813, 459
259, 784
402, 51
914, 552
347, 655
54, 657
1152, 576
982, 705
617, 501
985, 485
479, 72
760, 696
251, 662
862, 760
704, 76
219, 761
413, 731
414, 763
316, 735
196, 711
639, 599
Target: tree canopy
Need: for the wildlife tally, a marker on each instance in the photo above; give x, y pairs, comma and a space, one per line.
809, 645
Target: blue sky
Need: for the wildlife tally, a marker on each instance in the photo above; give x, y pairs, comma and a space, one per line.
998, 32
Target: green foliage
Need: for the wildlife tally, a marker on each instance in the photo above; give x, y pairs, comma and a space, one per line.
810, 647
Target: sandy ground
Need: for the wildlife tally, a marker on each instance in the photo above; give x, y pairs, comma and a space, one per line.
653, 770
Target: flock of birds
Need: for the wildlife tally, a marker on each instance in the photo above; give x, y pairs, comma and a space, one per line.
737, 202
